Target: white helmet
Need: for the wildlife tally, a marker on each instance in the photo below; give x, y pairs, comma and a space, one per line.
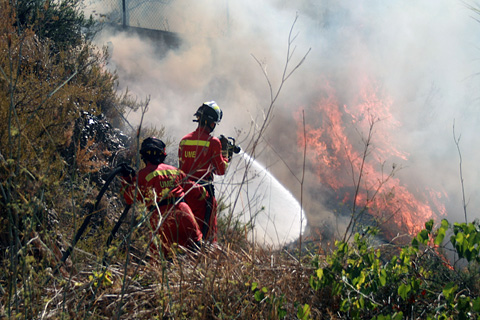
210, 112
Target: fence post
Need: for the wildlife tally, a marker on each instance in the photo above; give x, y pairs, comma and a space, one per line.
124, 14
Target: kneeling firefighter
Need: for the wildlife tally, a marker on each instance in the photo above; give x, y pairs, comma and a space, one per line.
159, 187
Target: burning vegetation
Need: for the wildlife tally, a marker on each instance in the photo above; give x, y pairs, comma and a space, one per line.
357, 168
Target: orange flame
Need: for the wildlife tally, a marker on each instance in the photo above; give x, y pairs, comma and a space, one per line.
343, 157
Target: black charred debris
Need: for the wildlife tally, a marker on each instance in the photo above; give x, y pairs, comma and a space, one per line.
95, 149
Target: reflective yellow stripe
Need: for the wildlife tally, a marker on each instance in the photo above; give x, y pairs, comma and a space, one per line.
201, 143
215, 107
156, 173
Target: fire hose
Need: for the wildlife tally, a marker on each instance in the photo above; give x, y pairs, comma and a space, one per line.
89, 216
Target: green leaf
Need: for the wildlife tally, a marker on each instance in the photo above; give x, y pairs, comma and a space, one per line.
415, 243
423, 236
383, 277
445, 224
459, 238
476, 305
319, 273
477, 238
361, 302
404, 290
342, 247
259, 295
345, 305
440, 236
453, 240
303, 313
429, 225
449, 290
358, 281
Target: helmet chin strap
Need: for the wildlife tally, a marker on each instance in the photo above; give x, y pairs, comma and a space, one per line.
205, 124
211, 126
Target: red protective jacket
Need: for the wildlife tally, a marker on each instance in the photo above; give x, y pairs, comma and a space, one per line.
162, 184
200, 155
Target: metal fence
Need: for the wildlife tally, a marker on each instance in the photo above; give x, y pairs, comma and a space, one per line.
209, 17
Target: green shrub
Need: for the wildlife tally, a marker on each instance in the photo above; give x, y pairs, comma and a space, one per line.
417, 281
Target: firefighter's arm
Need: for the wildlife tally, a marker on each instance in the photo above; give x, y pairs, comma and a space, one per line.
220, 162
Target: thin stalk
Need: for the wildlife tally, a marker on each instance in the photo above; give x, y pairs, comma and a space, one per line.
301, 185
358, 182
457, 143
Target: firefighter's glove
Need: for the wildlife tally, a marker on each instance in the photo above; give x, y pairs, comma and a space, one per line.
224, 142
127, 172
232, 149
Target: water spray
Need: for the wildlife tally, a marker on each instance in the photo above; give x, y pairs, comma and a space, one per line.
262, 201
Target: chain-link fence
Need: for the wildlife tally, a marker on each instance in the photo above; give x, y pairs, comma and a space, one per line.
209, 17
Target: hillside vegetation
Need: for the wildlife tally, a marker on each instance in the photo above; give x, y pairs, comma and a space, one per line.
55, 94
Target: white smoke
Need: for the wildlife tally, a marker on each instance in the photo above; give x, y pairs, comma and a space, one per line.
424, 55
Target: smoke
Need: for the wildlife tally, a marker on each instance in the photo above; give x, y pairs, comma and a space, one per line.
422, 56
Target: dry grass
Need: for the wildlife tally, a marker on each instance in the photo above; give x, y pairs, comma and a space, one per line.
213, 283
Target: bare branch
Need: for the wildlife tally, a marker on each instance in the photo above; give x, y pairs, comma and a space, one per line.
457, 143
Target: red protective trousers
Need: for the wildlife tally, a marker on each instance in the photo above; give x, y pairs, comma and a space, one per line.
197, 198
179, 227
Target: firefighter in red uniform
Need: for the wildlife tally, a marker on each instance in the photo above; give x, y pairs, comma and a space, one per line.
200, 156
160, 189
